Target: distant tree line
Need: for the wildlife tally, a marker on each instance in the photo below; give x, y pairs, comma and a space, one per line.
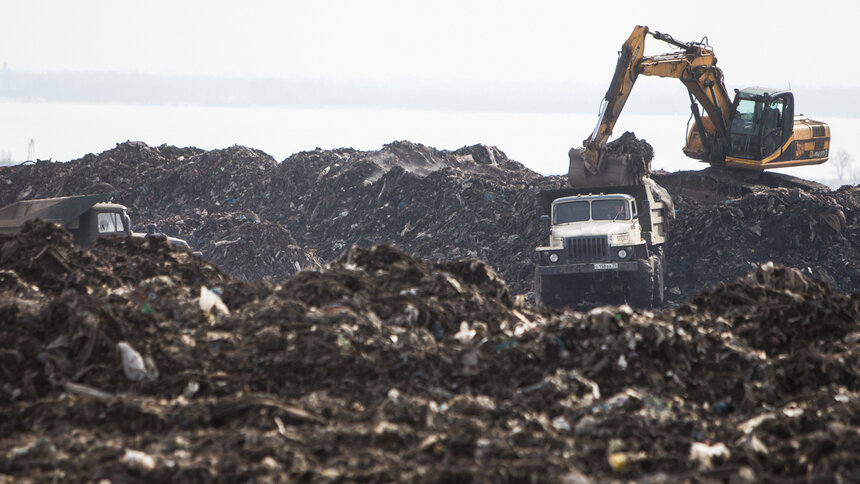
847, 173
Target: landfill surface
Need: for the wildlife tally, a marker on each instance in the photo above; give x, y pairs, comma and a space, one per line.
350, 320
259, 219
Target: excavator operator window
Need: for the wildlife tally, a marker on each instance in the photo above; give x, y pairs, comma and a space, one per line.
746, 129
777, 130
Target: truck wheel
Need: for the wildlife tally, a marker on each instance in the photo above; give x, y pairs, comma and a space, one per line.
641, 290
538, 289
659, 273
556, 291
547, 292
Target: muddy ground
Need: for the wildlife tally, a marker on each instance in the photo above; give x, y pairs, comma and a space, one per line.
380, 363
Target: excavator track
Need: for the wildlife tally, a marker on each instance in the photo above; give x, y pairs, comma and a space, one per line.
781, 180
716, 184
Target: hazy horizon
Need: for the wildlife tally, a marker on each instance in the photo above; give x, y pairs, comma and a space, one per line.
69, 131
651, 95
500, 63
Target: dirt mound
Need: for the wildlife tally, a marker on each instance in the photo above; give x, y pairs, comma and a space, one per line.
126, 169
382, 365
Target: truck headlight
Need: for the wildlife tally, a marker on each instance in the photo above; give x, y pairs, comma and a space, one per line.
553, 258
623, 253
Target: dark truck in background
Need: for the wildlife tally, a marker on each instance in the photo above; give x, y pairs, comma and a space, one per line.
86, 217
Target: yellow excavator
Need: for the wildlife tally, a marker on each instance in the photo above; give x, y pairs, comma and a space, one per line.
755, 131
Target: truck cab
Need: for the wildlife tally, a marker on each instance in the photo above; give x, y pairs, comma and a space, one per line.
103, 219
106, 220
593, 228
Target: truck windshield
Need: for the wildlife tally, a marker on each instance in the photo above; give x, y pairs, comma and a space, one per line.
570, 212
110, 222
610, 210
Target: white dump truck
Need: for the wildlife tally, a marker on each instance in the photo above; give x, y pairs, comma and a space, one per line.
605, 245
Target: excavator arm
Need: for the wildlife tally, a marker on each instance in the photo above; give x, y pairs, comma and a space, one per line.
626, 72
695, 66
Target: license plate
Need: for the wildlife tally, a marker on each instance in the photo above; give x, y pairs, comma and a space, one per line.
603, 267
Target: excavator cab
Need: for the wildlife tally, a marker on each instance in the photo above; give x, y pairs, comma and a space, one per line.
760, 127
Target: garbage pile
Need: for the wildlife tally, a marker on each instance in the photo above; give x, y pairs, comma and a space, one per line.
816, 232
256, 218
269, 249
640, 152
474, 203
137, 361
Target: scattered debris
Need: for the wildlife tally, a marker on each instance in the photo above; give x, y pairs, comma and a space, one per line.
381, 366
135, 367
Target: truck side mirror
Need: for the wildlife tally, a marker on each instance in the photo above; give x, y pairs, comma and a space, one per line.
544, 222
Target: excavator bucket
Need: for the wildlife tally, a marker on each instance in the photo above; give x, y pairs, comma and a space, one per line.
612, 169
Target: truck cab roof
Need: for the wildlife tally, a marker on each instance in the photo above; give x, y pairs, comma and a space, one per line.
600, 196
110, 207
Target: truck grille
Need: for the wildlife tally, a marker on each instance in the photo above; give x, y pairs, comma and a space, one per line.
586, 248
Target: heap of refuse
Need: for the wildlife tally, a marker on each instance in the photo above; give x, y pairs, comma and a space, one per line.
256, 218
815, 232
640, 152
259, 219
138, 361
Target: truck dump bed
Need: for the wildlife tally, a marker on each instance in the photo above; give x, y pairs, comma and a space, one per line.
61, 210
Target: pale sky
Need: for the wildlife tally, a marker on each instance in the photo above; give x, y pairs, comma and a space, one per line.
439, 45
771, 43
